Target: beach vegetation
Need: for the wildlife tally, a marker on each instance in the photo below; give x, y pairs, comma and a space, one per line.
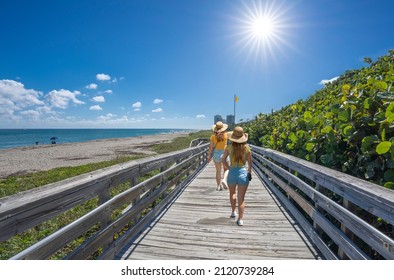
181, 142
18, 183
347, 126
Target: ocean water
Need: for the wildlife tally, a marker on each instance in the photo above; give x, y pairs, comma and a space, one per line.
12, 138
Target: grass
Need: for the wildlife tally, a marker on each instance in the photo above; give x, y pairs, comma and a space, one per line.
15, 184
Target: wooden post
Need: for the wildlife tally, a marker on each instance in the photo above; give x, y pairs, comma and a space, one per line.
349, 206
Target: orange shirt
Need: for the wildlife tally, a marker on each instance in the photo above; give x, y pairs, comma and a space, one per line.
219, 144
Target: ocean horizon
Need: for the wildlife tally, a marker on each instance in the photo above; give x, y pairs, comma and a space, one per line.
13, 138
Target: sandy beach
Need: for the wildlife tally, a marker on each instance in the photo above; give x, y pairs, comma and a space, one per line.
44, 157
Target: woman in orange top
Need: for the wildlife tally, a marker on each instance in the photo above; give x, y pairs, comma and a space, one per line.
218, 143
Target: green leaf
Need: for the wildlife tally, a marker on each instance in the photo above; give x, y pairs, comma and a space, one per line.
390, 112
346, 89
311, 157
310, 146
389, 175
325, 159
368, 103
367, 142
290, 146
301, 134
343, 116
383, 147
335, 108
380, 85
389, 185
348, 130
327, 129
293, 138
308, 116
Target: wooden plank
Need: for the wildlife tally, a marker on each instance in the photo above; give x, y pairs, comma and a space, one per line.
198, 226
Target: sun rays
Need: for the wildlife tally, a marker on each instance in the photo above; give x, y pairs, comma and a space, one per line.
262, 29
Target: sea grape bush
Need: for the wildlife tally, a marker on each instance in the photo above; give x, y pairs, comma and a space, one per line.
348, 125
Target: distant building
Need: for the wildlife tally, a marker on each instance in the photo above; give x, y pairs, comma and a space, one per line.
230, 120
217, 118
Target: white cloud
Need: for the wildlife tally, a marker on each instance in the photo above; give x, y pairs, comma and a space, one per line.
98, 99
158, 110
30, 113
33, 114
137, 106
14, 96
108, 91
45, 110
95, 108
107, 117
200, 117
91, 86
61, 98
157, 101
324, 82
103, 77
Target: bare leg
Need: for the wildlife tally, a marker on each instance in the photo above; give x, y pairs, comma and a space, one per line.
224, 181
233, 200
218, 167
241, 201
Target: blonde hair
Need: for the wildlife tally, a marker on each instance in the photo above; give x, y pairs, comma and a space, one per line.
238, 152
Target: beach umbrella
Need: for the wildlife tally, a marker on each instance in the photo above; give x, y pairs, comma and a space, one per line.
53, 139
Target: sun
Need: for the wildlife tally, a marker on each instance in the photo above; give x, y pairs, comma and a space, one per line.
263, 29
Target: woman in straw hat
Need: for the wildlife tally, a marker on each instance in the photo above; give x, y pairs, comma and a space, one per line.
239, 173
218, 143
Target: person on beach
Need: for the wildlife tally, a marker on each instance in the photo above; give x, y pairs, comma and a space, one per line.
240, 169
218, 143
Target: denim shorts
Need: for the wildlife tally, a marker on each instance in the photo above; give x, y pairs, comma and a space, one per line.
238, 176
217, 155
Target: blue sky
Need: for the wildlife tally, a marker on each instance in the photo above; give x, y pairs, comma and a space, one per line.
176, 63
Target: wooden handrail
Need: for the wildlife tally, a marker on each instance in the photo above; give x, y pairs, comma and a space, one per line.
326, 203
330, 202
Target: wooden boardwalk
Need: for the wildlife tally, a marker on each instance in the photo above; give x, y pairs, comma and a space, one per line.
198, 226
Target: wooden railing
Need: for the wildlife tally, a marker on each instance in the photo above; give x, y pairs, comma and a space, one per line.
345, 217
338, 212
198, 142
133, 208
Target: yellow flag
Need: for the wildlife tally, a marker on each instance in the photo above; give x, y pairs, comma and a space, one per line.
236, 98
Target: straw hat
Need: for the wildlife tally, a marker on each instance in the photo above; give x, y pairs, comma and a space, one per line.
219, 127
238, 135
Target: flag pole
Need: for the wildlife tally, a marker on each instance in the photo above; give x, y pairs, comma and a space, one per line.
234, 108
